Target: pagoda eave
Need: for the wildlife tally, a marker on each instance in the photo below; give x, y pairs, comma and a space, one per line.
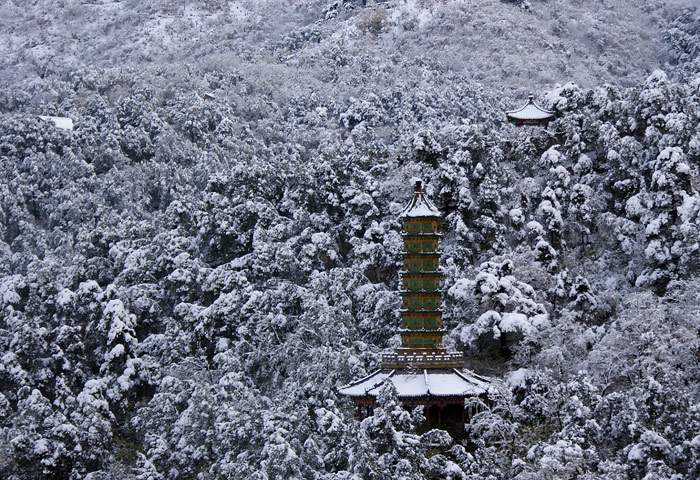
408, 272
434, 290
371, 401
529, 121
421, 234
420, 383
420, 310
421, 330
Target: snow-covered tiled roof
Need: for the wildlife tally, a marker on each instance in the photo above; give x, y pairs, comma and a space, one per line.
530, 111
64, 123
420, 383
420, 205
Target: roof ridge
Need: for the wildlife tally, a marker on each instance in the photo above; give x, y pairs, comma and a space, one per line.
469, 380
356, 382
379, 384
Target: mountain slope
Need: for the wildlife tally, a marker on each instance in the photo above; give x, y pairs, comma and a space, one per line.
188, 275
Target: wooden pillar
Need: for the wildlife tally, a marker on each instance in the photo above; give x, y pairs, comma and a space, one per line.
427, 414
359, 412
462, 414
439, 416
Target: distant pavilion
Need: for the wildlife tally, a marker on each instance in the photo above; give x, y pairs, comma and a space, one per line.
422, 370
530, 114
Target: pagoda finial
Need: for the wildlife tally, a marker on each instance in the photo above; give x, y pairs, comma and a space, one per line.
531, 98
420, 205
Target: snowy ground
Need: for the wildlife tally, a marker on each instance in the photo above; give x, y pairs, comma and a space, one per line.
190, 272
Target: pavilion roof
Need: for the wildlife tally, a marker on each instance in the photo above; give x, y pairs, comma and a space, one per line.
421, 383
530, 111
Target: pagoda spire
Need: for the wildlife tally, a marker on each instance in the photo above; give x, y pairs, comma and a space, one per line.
420, 205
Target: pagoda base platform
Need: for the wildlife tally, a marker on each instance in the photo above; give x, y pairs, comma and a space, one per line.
419, 358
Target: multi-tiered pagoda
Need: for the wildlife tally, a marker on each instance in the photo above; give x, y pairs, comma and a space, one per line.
421, 369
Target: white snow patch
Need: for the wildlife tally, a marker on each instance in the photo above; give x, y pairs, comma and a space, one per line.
516, 216
513, 322
64, 123
535, 227
518, 378
8, 294
695, 442
40, 447
116, 352
64, 297
636, 454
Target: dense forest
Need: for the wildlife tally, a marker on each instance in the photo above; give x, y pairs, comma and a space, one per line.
190, 272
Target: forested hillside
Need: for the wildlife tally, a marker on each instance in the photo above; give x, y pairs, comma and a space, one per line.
189, 274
